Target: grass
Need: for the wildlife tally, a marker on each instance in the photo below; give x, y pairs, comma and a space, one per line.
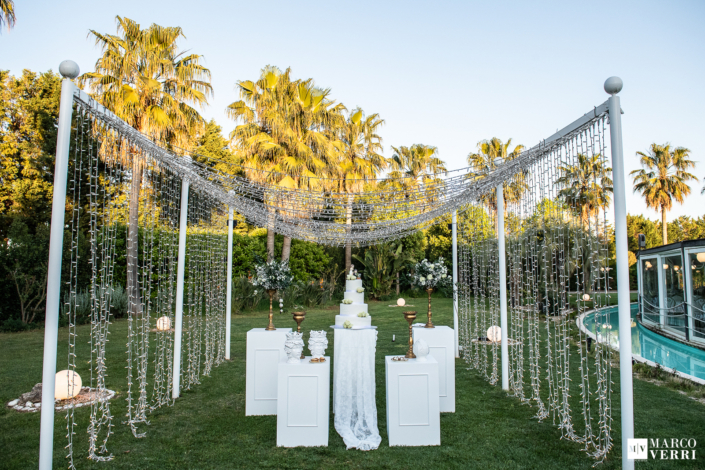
207, 428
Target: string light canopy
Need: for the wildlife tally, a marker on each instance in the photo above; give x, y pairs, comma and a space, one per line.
387, 210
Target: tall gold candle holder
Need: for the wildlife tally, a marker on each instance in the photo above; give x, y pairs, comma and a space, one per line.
298, 318
429, 323
410, 317
271, 293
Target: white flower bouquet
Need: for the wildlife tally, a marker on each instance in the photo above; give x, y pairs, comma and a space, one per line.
362, 314
347, 301
350, 277
430, 275
273, 275
347, 324
360, 290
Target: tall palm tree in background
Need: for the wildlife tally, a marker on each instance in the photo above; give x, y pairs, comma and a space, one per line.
359, 160
416, 166
586, 186
143, 78
283, 138
485, 160
664, 179
7, 14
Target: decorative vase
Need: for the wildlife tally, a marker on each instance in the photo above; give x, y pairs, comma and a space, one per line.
410, 317
317, 344
298, 318
294, 346
421, 350
429, 323
271, 293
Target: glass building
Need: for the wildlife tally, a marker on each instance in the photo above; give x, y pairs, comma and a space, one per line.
672, 289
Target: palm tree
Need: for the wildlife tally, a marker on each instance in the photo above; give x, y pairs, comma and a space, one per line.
359, 160
143, 78
416, 165
485, 160
664, 179
586, 186
282, 138
7, 14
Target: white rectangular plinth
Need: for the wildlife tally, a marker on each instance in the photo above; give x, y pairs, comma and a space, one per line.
265, 349
413, 416
441, 340
303, 403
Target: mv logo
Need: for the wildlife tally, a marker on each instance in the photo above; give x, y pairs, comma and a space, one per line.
638, 449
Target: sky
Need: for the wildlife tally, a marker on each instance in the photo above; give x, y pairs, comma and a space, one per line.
441, 73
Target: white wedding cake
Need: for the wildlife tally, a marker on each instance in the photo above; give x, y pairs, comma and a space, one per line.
349, 311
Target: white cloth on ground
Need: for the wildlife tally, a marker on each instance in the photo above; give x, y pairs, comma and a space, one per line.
354, 388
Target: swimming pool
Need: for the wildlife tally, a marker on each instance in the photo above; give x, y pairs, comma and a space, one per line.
647, 344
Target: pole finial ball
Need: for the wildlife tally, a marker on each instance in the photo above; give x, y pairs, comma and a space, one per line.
613, 85
69, 69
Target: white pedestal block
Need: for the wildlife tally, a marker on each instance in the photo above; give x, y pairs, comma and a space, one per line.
441, 344
413, 416
265, 349
303, 403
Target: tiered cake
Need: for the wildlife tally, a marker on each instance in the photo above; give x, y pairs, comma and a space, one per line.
349, 312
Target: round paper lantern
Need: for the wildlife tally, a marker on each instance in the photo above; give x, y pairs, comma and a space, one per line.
586, 297
68, 384
163, 323
676, 268
494, 334
700, 257
648, 264
665, 266
401, 302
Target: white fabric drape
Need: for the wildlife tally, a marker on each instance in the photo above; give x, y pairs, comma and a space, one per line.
354, 388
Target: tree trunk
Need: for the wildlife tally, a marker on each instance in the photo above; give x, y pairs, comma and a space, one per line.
286, 249
348, 244
133, 288
664, 226
270, 235
397, 282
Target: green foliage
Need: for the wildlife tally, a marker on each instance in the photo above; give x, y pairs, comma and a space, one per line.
381, 264
24, 258
29, 109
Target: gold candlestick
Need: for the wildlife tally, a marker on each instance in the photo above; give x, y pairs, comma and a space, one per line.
298, 318
410, 317
429, 323
271, 293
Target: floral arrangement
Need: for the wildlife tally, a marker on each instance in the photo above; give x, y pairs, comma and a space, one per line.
362, 314
430, 275
347, 324
274, 275
360, 290
347, 301
350, 277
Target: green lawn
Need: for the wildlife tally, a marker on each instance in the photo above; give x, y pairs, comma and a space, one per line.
207, 427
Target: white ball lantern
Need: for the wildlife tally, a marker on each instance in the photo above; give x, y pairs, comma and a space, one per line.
494, 334
586, 297
67, 384
401, 302
700, 257
163, 323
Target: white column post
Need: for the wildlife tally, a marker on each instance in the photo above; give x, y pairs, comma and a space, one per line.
229, 287
455, 282
502, 287
179, 312
69, 70
613, 85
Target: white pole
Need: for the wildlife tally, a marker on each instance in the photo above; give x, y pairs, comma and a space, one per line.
179, 313
502, 288
69, 70
455, 282
229, 288
613, 85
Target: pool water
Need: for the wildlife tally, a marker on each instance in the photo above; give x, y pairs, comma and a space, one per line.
647, 344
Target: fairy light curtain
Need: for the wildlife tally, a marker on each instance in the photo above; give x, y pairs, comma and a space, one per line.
556, 253
101, 180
